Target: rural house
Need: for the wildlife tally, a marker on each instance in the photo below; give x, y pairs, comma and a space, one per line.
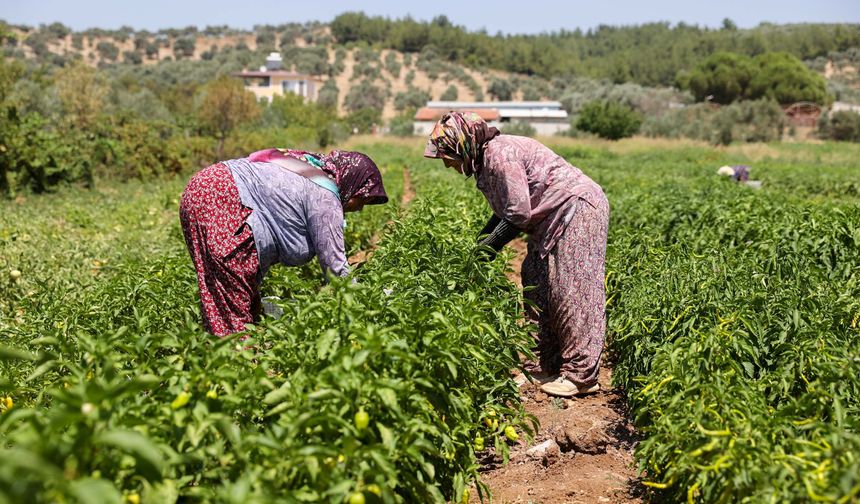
546, 117
271, 80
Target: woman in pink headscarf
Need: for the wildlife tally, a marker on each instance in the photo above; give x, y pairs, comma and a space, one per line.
241, 216
533, 190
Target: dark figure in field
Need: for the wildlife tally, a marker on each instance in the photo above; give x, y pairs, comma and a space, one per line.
531, 189
738, 173
240, 217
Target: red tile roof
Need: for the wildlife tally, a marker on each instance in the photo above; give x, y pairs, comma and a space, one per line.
434, 114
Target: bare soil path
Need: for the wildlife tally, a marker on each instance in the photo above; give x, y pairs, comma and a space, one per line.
583, 452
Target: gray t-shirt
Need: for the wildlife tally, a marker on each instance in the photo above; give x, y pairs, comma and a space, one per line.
293, 219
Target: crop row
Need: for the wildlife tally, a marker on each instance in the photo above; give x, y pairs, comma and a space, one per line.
374, 390
733, 318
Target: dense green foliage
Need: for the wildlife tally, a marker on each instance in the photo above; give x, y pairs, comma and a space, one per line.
744, 121
378, 387
733, 320
608, 119
650, 54
721, 78
728, 77
843, 125
76, 124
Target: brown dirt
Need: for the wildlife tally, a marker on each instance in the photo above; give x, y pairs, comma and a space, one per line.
408, 190
590, 458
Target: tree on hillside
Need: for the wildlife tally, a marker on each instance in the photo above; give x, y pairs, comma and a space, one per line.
784, 78
412, 98
722, 78
843, 125
81, 91
328, 95
10, 72
450, 94
225, 104
728, 77
365, 96
501, 89
184, 47
107, 50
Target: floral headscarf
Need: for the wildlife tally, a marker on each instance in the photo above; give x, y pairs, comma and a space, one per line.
460, 136
354, 173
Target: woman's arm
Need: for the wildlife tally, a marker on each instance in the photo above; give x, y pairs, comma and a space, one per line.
507, 189
500, 235
325, 229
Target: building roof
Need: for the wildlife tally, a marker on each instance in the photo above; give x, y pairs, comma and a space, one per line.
458, 105
275, 73
517, 113
434, 114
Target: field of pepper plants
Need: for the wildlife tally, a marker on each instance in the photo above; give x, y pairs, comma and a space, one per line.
734, 318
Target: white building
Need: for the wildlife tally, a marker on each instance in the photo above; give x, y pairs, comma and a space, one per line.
850, 107
546, 117
271, 80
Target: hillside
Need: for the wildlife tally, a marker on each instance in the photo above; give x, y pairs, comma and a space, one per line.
405, 74
97, 50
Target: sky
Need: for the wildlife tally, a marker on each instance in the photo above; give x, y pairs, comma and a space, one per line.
523, 16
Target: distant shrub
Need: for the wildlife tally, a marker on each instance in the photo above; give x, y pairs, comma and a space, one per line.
184, 47
151, 50
107, 50
328, 95
450, 94
132, 57
531, 92
58, 30
78, 41
364, 69
392, 65
338, 66
364, 120
403, 125
38, 42
265, 40
609, 120
520, 128
749, 121
365, 96
745, 121
411, 98
312, 60
501, 89
843, 125
210, 54
576, 92
366, 55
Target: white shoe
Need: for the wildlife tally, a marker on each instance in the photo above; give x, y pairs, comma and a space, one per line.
562, 387
542, 378
521, 379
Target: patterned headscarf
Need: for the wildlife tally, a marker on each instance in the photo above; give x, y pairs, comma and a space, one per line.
462, 137
354, 173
